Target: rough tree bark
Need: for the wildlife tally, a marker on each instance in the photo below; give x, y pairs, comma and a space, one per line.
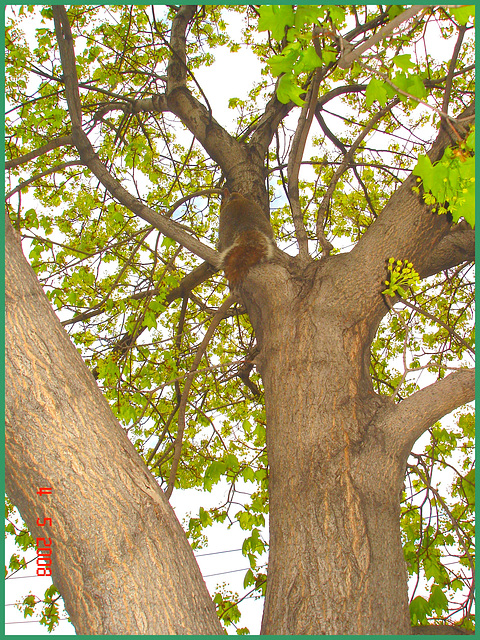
337, 451
337, 454
120, 557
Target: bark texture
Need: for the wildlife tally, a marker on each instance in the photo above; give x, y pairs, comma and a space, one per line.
120, 558
336, 563
337, 454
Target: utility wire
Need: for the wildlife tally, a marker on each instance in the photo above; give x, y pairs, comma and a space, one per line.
30, 621
197, 555
213, 553
224, 572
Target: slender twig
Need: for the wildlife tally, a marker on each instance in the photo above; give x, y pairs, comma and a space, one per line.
440, 112
430, 316
406, 369
178, 342
329, 134
347, 159
451, 68
189, 282
295, 157
462, 537
47, 172
31, 155
168, 227
188, 382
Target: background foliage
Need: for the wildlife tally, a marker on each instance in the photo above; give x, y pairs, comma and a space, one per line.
116, 282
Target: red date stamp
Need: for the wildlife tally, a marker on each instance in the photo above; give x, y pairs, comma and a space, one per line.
44, 545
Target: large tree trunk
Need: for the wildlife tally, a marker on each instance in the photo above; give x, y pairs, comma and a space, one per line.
336, 564
120, 558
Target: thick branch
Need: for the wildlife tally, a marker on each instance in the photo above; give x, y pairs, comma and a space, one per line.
157, 103
338, 91
168, 227
267, 125
177, 67
414, 415
295, 157
456, 247
61, 433
67, 56
405, 229
227, 152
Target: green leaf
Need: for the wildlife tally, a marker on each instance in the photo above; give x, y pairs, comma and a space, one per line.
213, 473
400, 80
150, 320
419, 609
438, 600
307, 61
275, 18
308, 14
468, 487
248, 474
166, 242
245, 520
395, 10
285, 62
243, 631
465, 207
470, 141
467, 425
249, 579
403, 62
376, 91
416, 87
231, 461
329, 54
288, 90
337, 14
424, 169
463, 13
205, 517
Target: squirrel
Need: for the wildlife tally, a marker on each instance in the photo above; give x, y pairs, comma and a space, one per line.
245, 236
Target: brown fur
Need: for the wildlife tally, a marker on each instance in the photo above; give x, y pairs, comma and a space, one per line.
245, 236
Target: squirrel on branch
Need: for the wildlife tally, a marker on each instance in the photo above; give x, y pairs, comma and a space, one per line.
245, 236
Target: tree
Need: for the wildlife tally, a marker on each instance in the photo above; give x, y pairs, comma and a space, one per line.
114, 141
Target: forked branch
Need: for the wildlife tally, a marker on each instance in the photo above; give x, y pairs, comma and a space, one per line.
168, 227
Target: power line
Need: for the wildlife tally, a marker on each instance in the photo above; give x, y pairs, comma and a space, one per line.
224, 572
30, 621
197, 555
22, 577
213, 553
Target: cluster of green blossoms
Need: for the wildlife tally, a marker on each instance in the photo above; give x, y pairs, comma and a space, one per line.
402, 274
